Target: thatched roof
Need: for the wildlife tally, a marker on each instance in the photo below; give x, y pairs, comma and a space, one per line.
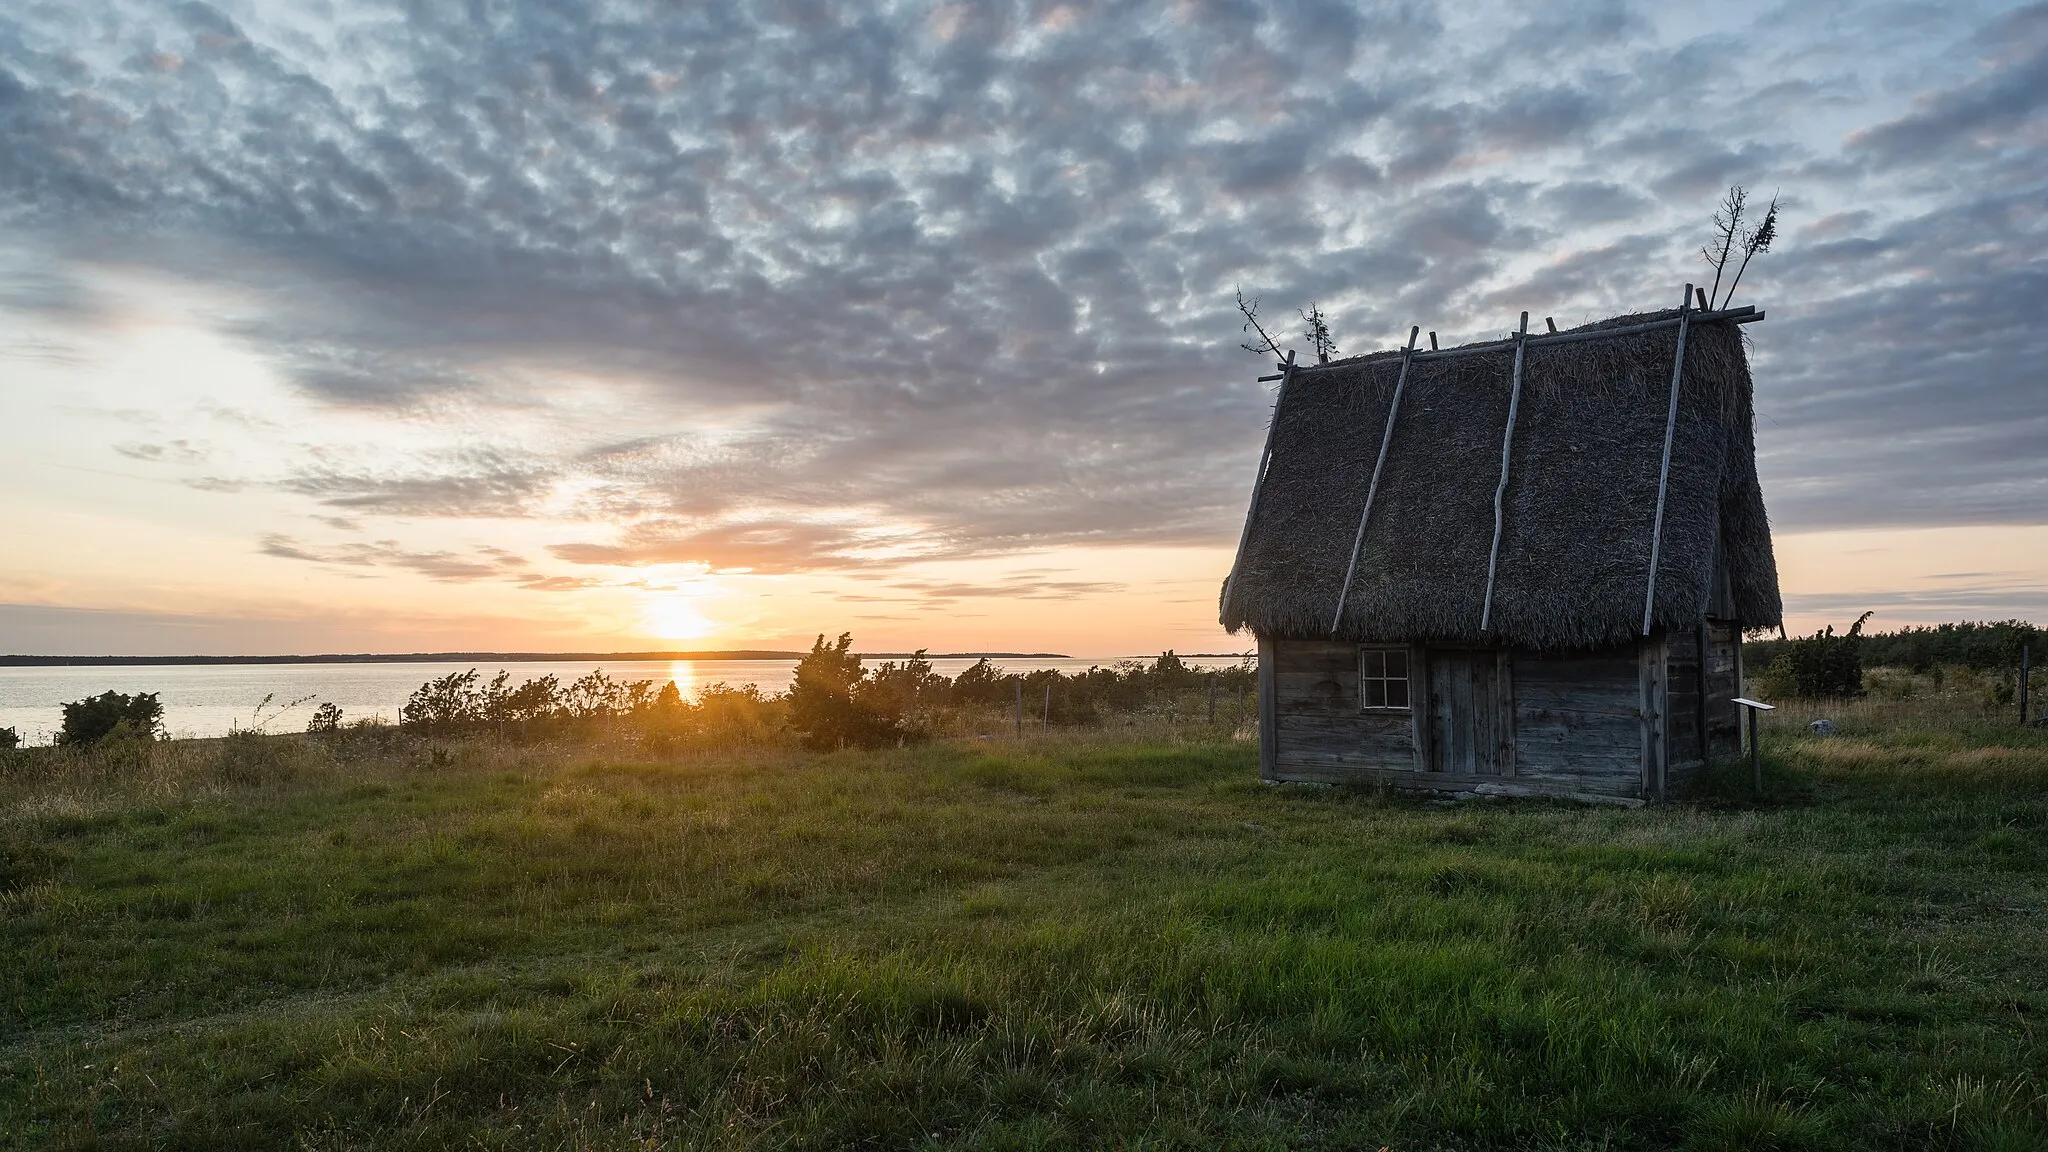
1581, 495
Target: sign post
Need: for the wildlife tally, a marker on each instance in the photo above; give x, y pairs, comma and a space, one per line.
1756, 756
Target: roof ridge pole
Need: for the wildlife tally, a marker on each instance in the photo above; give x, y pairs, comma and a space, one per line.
1258, 482
1664, 469
1507, 443
1372, 489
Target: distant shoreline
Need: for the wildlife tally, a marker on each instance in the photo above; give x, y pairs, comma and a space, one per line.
486, 658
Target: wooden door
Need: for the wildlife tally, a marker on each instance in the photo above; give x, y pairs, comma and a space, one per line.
1471, 712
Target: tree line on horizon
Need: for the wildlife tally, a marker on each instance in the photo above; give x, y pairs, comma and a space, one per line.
1831, 664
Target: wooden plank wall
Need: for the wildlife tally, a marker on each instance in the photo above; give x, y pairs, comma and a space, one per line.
1577, 725
1471, 712
1724, 669
1577, 721
1682, 748
1321, 733
1269, 760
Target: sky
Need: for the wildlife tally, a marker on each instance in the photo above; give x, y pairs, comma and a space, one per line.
353, 326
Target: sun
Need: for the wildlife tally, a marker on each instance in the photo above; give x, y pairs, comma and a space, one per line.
674, 616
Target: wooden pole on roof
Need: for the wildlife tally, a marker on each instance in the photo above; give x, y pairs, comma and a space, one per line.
1507, 443
1372, 489
1258, 482
1664, 469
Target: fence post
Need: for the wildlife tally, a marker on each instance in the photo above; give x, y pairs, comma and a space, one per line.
1020, 707
1046, 721
2025, 652
1212, 699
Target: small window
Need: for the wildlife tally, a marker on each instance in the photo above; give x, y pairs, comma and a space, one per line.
1383, 677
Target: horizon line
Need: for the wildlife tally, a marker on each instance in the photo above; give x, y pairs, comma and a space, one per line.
23, 660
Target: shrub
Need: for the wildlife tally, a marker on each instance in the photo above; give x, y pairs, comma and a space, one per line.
729, 713
444, 705
534, 701
592, 695
326, 718
907, 693
981, 683
9, 739
828, 706
93, 719
248, 757
1822, 664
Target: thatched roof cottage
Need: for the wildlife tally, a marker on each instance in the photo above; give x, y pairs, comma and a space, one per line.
1522, 566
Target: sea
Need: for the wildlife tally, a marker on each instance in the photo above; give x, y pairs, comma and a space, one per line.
213, 699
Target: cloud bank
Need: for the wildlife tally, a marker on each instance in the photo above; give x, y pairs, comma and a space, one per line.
945, 281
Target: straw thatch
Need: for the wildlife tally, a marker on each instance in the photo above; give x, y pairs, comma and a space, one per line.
1581, 496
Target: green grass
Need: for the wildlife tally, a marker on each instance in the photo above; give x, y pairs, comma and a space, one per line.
1064, 942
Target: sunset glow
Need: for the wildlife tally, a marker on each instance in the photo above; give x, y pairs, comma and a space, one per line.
675, 616
959, 383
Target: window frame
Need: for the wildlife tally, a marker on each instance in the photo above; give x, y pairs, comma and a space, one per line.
1406, 679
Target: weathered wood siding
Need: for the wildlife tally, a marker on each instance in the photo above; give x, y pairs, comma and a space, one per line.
1320, 732
1682, 748
1471, 712
1566, 725
1578, 726
1269, 710
1650, 702
1723, 676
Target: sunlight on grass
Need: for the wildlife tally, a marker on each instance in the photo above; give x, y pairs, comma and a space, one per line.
1069, 940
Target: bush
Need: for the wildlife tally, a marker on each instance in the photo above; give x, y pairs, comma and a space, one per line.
1822, 664
248, 757
727, 713
908, 693
443, 706
326, 718
830, 705
9, 739
93, 719
981, 683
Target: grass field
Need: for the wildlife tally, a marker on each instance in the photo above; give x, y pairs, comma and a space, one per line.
1102, 941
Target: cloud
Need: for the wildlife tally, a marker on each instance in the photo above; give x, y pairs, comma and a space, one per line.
1009, 588
1593, 201
173, 451
2001, 108
487, 485
780, 289
762, 546
480, 564
1027, 585
1977, 599
272, 629
561, 583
